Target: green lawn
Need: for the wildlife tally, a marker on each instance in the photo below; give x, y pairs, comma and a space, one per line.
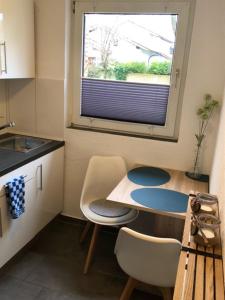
148, 78
142, 78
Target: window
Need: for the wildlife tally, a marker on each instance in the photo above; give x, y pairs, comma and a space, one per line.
128, 62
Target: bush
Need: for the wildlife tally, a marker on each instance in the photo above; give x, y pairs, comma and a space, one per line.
121, 71
94, 72
136, 67
160, 68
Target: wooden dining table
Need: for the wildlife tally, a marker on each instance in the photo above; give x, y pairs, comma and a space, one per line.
176, 182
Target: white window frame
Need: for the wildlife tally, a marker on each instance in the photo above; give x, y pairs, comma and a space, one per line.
178, 72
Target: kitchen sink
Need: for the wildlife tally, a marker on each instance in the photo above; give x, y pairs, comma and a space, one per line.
21, 143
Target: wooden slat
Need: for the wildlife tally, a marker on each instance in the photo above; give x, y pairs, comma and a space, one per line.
180, 277
187, 227
209, 273
199, 283
184, 280
219, 279
189, 282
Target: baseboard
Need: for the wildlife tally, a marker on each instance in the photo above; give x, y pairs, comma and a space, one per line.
72, 216
71, 219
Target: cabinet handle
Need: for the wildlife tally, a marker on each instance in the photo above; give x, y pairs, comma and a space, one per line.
41, 178
3, 64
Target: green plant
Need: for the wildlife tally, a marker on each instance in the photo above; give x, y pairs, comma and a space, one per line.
121, 71
94, 72
204, 114
136, 67
160, 68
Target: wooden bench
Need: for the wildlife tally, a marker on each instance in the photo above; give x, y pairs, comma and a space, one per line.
200, 269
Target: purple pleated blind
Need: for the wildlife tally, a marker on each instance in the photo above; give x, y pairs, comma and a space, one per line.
124, 101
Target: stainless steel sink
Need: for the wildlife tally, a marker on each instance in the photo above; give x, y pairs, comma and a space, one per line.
21, 143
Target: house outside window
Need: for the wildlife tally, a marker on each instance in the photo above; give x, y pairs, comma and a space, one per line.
129, 65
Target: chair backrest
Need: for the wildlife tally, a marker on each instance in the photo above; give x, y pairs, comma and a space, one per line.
103, 174
148, 259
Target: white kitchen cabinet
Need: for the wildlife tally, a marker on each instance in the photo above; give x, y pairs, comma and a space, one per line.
17, 39
49, 183
43, 201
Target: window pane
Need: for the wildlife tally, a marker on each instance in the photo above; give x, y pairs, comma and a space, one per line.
129, 48
135, 48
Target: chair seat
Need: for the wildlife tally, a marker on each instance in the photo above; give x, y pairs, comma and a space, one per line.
105, 208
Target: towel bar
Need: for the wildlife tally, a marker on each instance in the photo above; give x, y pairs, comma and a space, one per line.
24, 176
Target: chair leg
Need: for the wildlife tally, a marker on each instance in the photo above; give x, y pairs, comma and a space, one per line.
127, 291
85, 231
91, 247
166, 293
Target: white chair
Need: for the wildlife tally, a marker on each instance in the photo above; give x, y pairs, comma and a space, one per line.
103, 174
147, 259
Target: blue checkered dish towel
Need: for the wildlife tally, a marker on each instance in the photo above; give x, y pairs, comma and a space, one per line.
15, 193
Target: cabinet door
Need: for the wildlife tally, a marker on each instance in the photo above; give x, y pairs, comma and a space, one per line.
49, 186
43, 201
15, 233
16, 39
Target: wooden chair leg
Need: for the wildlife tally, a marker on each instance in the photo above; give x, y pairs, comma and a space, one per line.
166, 293
85, 231
91, 247
127, 291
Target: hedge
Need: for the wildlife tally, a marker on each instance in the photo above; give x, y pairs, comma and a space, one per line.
121, 70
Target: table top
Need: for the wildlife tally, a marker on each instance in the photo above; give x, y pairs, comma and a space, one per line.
169, 181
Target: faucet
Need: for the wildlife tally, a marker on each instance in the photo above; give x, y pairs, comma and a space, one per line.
10, 124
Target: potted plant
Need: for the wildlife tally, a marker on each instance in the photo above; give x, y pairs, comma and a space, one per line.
204, 114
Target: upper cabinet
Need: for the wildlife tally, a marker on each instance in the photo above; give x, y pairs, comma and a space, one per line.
17, 39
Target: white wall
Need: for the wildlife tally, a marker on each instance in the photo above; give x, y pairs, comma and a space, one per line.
206, 74
217, 182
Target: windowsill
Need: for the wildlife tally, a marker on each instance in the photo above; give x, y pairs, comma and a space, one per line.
122, 133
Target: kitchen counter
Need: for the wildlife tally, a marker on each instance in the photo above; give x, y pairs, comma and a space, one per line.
11, 160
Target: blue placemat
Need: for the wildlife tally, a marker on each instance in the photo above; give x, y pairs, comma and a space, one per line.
161, 199
148, 176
